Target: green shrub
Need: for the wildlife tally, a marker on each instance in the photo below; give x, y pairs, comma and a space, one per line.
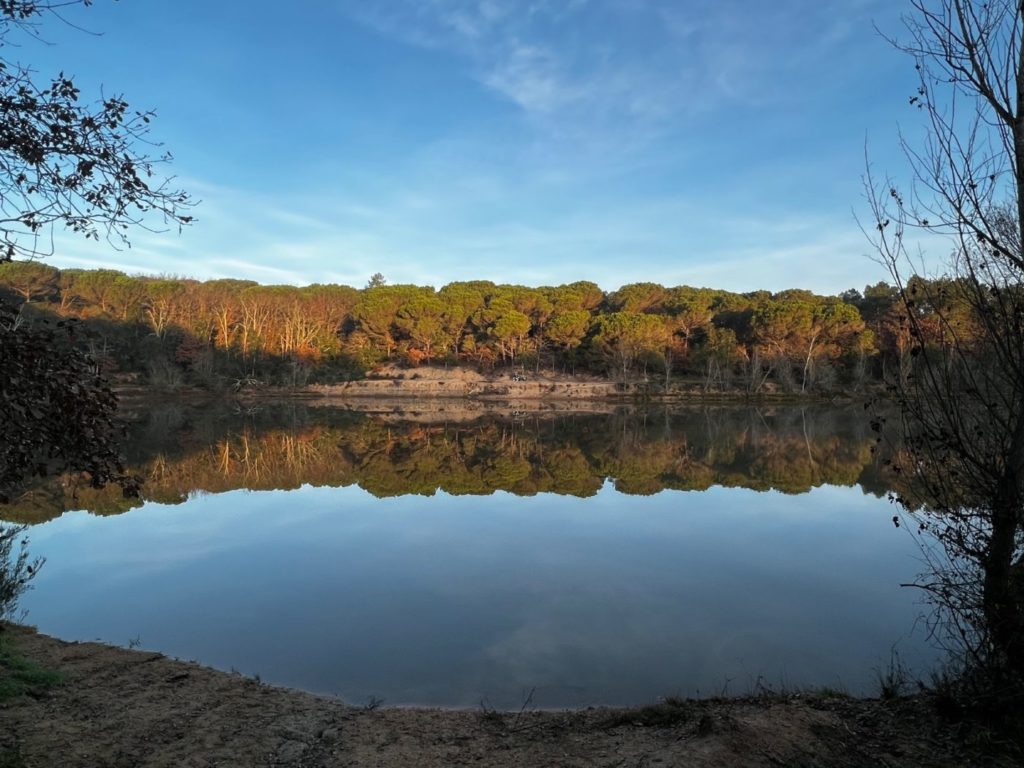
17, 568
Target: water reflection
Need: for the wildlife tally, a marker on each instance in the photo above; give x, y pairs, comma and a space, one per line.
585, 572
180, 450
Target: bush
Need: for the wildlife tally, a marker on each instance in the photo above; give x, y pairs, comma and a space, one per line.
17, 569
56, 412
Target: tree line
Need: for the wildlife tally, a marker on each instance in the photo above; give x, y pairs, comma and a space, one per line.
170, 331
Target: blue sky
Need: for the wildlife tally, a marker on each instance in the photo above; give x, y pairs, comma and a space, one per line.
713, 143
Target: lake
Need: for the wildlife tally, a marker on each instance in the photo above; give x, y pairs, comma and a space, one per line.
449, 558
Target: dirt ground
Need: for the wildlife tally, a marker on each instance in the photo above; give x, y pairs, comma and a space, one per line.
117, 707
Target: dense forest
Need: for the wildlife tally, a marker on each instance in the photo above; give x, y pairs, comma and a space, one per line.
224, 333
180, 450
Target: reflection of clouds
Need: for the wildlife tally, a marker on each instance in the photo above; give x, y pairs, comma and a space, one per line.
562, 640
676, 600
595, 645
159, 537
613, 598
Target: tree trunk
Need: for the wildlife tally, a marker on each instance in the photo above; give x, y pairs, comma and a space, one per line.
1002, 597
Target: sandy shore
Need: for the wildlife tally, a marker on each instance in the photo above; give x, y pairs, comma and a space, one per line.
452, 388
426, 383
504, 388
117, 707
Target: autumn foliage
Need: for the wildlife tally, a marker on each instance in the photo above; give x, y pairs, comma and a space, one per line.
171, 331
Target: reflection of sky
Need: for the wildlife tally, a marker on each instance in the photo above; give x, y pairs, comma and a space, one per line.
447, 600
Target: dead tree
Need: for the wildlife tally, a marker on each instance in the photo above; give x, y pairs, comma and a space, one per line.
962, 405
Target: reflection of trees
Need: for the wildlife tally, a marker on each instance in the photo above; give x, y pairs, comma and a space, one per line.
181, 451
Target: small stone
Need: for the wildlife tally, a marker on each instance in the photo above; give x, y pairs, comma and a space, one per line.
706, 725
291, 751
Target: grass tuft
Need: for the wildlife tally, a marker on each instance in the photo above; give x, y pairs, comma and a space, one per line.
21, 677
669, 712
489, 716
894, 680
825, 692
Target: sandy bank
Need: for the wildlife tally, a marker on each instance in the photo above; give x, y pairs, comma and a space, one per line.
527, 391
428, 383
118, 707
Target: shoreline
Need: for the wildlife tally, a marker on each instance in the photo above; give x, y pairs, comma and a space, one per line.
384, 400
438, 385
120, 707
391, 382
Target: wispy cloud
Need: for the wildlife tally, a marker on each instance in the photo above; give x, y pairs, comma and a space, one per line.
529, 53
530, 76
673, 240
635, 59
611, 140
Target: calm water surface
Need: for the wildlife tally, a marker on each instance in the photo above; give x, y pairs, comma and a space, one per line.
605, 559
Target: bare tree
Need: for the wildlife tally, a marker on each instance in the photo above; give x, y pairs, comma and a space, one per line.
963, 403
